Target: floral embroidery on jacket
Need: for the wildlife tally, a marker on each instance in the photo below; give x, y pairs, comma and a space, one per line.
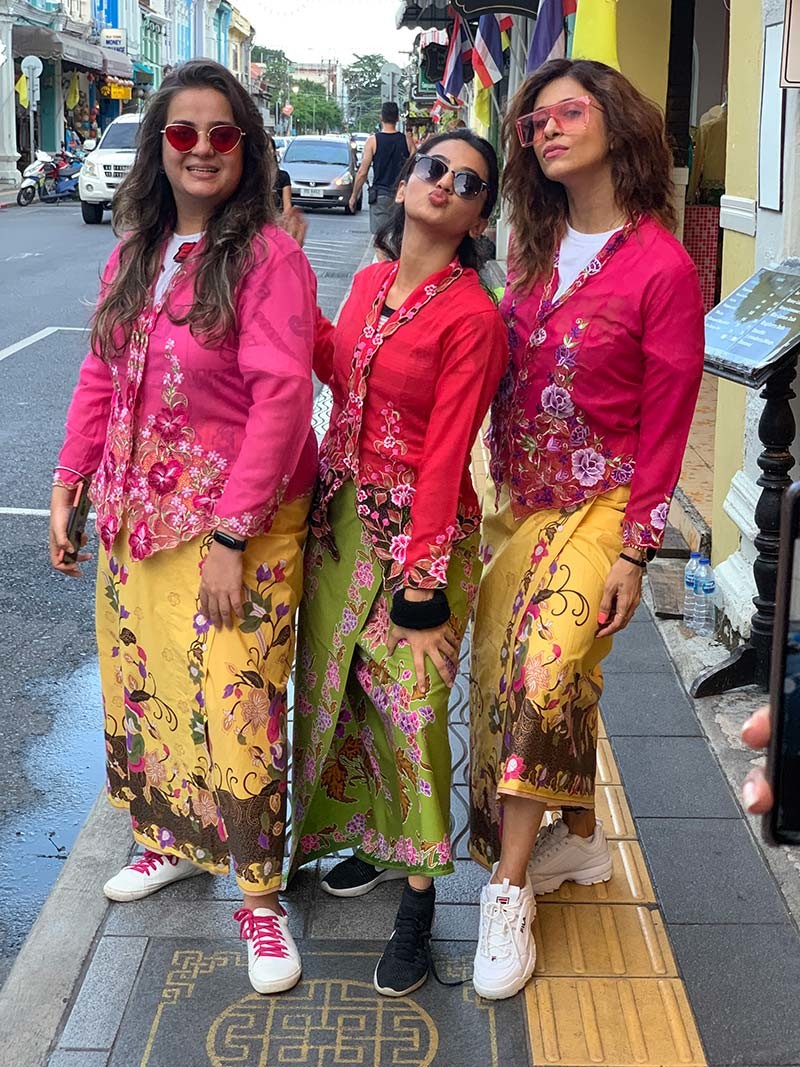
384, 496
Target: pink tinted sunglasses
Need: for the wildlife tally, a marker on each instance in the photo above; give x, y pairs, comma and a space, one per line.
569, 115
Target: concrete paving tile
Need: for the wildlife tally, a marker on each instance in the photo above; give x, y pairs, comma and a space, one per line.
159, 916
97, 1013
612, 809
195, 1006
629, 884
710, 871
597, 940
638, 650
673, 777
62, 1058
743, 982
648, 705
611, 1021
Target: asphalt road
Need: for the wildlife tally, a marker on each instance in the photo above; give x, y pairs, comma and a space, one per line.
50, 711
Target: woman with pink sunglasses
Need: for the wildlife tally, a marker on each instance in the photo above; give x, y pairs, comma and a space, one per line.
587, 439
192, 421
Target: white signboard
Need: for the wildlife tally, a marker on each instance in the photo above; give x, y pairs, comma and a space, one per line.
116, 40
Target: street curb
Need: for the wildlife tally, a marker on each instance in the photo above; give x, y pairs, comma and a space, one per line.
49, 967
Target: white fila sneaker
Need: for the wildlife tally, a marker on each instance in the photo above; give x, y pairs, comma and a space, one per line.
150, 872
273, 962
559, 856
506, 954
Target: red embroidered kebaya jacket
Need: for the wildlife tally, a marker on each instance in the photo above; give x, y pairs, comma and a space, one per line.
602, 383
409, 397
179, 437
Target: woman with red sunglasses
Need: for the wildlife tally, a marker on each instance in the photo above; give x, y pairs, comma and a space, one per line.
392, 564
587, 439
192, 420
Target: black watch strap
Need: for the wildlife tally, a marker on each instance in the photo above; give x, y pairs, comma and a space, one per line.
228, 541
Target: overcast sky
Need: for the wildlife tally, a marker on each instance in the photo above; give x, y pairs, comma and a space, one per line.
310, 30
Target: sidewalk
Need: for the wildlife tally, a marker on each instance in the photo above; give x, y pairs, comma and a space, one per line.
689, 956
8, 198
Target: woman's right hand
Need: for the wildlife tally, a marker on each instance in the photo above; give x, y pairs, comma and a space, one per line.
61, 501
439, 644
757, 792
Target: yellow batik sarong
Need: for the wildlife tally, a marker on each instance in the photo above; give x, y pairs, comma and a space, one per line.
195, 718
535, 671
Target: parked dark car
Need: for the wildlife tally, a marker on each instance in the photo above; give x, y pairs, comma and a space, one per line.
323, 171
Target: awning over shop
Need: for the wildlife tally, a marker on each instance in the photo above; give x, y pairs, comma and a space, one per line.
50, 44
423, 15
116, 63
142, 74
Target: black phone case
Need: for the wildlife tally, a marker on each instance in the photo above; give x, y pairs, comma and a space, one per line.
76, 524
789, 525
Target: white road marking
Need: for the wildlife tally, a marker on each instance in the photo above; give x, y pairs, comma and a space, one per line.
21, 255
35, 338
38, 513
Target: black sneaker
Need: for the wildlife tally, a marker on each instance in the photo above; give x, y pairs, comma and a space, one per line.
354, 877
406, 960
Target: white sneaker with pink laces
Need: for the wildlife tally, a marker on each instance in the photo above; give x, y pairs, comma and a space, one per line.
273, 962
150, 872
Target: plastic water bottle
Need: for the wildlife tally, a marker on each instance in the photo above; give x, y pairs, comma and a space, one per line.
688, 589
705, 589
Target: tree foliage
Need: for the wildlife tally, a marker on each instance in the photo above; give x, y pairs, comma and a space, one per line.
363, 81
278, 69
313, 111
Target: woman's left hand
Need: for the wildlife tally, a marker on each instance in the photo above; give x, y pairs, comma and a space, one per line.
621, 597
439, 644
295, 224
221, 586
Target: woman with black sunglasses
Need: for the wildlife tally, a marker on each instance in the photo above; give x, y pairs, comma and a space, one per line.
192, 418
392, 564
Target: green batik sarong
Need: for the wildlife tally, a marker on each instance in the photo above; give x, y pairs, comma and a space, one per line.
372, 763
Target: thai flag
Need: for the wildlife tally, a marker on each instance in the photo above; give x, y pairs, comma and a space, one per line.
450, 88
487, 58
549, 34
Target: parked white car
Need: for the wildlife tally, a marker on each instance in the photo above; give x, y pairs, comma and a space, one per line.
106, 166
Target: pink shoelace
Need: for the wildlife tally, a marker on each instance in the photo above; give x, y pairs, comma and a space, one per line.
149, 862
264, 932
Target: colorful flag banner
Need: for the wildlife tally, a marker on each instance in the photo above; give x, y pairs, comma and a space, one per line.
487, 57
550, 34
73, 93
21, 88
449, 90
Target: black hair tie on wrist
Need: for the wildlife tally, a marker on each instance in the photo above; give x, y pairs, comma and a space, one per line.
641, 563
420, 615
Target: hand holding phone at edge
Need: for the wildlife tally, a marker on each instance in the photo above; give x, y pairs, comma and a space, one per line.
756, 791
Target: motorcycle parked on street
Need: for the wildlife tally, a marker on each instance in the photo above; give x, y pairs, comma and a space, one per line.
54, 178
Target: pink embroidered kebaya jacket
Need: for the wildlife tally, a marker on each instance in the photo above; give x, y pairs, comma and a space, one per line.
179, 438
409, 397
603, 383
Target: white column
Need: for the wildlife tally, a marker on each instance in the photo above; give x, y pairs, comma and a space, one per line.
9, 175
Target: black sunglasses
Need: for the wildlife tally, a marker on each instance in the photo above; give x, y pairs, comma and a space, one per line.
466, 183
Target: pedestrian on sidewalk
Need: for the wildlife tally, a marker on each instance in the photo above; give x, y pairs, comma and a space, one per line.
392, 563
192, 417
386, 152
587, 439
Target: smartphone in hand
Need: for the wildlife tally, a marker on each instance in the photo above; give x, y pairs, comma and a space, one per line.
76, 523
782, 825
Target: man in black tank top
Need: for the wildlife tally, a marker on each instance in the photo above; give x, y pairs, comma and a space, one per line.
385, 152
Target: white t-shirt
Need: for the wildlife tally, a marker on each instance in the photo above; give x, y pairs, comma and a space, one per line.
577, 250
170, 266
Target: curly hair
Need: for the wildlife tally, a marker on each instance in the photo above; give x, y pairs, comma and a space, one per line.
145, 213
389, 238
639, 154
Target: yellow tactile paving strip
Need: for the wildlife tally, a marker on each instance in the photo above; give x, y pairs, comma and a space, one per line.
606, 991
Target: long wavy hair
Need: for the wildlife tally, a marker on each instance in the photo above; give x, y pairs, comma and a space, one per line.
640, 158
145, 214
389, 238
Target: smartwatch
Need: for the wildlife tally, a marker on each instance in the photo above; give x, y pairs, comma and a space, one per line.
228, 541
